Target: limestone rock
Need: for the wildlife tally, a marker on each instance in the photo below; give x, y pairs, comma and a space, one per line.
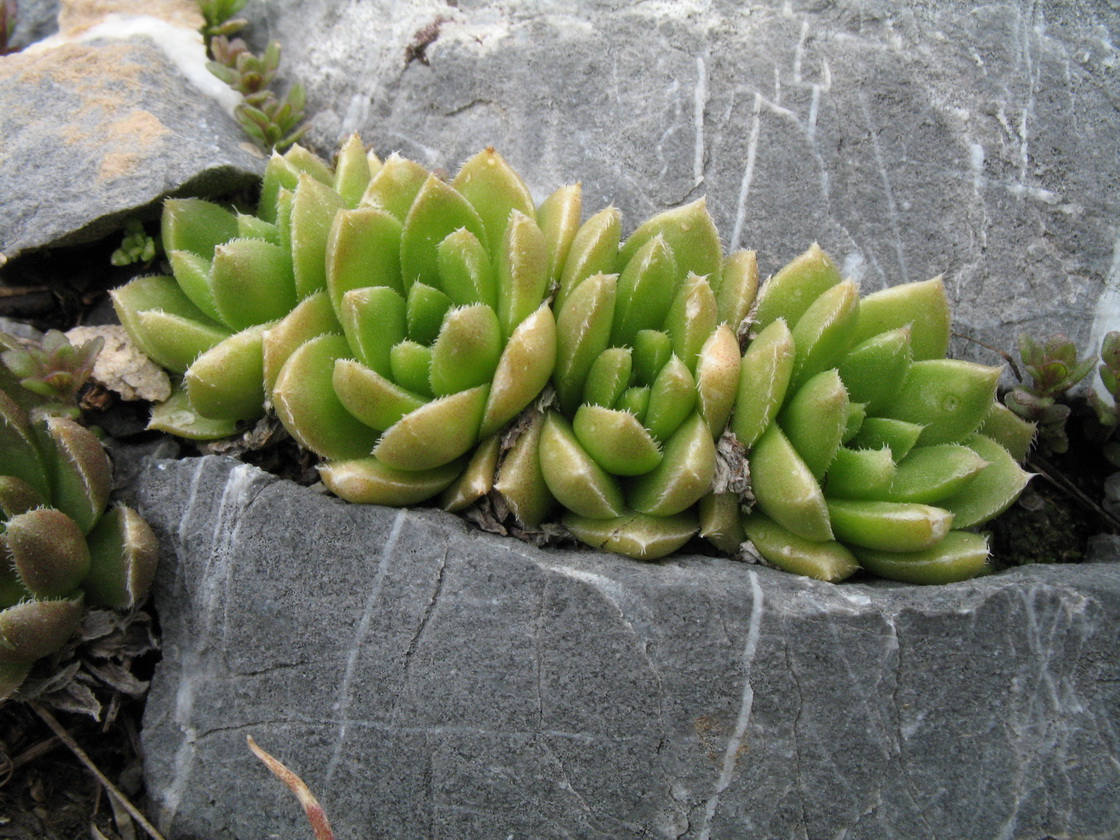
431, 681
107, 117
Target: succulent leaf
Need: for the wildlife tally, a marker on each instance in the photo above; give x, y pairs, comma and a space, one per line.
523, 369
717, 378
33, 629
721, 522
466, 352
395, 186
923, 306
123, 557
826, 560
785, 488
992, 491
313, 316
521, 271
790, 292
78, 468
815, 420
961, 555
583, 330
177, 416
763, 381
520, 481
227, 381
594, 251
1009, 430
636, 535
874, 370
191, 224
949, 398
363, 249
690, 234
308, 406
646, 289
369, 481
683, 476
370, 397
574, 477
617, 440
476, 480
439, 210
495, 191
436, 433
48, 551
558, 217
889, 526
861, 473
931, 473
314, 205
465, 269
823, 334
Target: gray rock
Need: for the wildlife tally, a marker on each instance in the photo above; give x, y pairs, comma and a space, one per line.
35, 20
932, 137
103, 120
431, 681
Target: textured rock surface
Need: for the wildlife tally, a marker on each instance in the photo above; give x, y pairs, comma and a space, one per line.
430, 681
105, 118
932, 137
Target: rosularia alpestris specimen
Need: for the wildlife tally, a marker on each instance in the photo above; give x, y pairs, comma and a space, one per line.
429, 337
63, 550
646, 376
867, 447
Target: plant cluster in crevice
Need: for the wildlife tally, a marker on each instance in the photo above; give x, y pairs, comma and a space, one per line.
1076, 456
452, 339
271, 120
75, 567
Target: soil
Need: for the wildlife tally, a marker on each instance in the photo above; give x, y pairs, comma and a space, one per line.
45, 791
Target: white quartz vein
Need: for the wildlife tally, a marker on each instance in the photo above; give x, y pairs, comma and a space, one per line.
700, 102
746, 703
748, 173
212, 591
888, 191
342, 704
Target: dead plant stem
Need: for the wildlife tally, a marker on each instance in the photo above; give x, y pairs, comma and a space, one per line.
110, 788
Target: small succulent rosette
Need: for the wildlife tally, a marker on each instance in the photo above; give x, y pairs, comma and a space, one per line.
867, 447
234, 275
62, 550
431, 333
646, 374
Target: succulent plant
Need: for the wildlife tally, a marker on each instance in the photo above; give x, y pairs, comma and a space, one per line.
1054, 369
233, 276
219, 18
426, 337
136, 246
51, 372
868, 448
63, 549
432, 333
646, 375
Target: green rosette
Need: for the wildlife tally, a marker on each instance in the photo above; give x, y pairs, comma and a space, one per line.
866, 446
62, 549
646, 375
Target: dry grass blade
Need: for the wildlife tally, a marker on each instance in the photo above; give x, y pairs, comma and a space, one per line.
315, 813
110, 788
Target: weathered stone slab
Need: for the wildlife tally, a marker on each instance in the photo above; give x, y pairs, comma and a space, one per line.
102, 120
431, 681
910, 139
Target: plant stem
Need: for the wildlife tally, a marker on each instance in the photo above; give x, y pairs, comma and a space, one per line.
110, 788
